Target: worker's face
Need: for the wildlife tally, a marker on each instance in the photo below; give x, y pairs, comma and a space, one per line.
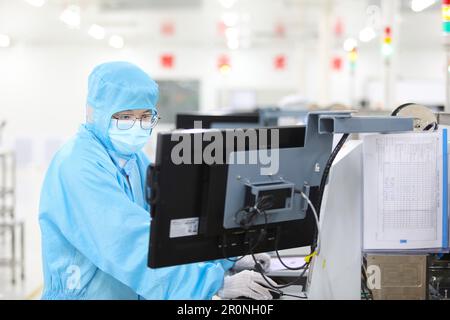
130, 130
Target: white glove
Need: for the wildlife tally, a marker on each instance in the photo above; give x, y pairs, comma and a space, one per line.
247, 262
246, 284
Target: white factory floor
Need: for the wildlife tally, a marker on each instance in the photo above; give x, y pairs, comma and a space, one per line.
27, 204
31, 286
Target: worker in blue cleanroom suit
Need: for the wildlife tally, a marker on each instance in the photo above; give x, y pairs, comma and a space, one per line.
94, 220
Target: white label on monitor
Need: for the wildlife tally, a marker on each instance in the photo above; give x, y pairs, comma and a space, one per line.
183, 227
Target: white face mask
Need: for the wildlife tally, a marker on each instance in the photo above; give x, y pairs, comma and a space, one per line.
128, 141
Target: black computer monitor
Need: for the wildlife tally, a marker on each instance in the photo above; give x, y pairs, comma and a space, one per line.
191, 203
219, 120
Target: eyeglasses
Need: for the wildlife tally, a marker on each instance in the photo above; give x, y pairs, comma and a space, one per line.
127, 121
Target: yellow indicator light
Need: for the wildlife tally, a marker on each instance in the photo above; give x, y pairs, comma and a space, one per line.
225, 69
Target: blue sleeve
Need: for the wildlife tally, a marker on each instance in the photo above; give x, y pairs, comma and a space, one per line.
98, 219
226, 264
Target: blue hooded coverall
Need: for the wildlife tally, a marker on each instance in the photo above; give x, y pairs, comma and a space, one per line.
95, 231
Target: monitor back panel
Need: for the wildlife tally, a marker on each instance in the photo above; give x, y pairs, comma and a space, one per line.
188, 204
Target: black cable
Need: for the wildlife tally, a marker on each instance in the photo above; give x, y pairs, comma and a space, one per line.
431, 126
288, 267
292, 295
364, 278
263, 203
324, 179
249, 214
261, 271
262, 233
327, 169
277, 238
259, 268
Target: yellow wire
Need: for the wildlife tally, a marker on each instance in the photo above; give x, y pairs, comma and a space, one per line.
309, 257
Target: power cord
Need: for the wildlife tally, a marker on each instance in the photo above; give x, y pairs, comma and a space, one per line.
260, 269
325, 175
305, 266
249, 214
281, 260
316, 218
284, 264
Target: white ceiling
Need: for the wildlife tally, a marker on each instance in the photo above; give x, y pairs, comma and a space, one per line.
196, 21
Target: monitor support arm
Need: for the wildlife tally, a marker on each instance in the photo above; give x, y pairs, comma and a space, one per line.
346, 123
322, 125
301, 168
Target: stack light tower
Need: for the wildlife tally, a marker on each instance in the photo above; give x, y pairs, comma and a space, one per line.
446, 32
353, 59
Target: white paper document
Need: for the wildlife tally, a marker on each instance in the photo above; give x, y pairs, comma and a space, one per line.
405, 196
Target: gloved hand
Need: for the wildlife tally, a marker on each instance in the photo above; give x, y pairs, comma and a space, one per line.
247, 262
246, 284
